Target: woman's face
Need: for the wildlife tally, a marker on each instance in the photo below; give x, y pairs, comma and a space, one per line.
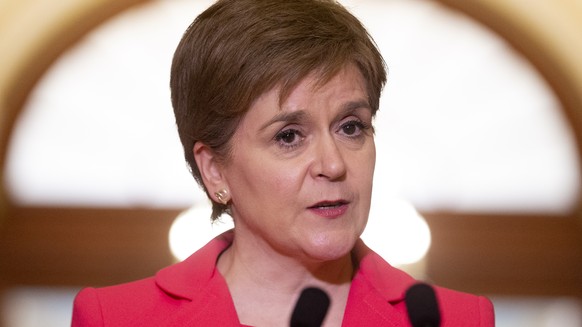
300, 175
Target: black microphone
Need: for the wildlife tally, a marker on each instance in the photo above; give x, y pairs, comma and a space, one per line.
422, 306
310, 309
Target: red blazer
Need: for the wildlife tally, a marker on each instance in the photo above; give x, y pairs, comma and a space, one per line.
194, 293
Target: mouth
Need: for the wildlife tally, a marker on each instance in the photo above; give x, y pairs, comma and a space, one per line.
329, 204
330, 209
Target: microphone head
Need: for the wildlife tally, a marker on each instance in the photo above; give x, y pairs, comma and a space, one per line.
422, 306
311, 308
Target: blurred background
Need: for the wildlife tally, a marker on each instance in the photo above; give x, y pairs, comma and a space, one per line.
478, 140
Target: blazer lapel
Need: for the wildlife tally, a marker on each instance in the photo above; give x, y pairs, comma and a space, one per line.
371, 308
203, 294
213, 306
377, 292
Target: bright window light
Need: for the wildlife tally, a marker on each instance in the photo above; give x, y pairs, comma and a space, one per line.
192, 229
397, 232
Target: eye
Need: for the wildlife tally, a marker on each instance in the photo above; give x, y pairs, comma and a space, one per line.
289, 138
354, 128
350, 128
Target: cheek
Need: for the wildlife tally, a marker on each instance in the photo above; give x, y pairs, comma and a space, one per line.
261, 177
285, 181
366, 163
370, 158
373, 161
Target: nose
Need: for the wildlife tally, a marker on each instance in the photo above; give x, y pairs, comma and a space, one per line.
329, 160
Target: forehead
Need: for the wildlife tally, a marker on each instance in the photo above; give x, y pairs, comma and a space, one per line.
347, 82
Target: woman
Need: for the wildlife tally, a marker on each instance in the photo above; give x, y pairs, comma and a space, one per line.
274, 102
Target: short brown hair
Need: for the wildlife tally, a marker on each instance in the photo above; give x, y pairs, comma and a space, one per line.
237, 50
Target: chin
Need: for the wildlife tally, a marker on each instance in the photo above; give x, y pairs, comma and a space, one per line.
328, 247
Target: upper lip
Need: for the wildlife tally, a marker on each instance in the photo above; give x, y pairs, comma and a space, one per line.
329, 203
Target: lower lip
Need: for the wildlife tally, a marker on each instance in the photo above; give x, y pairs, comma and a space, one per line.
330, 212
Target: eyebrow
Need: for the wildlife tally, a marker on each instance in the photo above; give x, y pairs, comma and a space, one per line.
351, 106
299, 115
286, 117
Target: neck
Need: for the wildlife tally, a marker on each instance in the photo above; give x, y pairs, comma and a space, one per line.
240, 264
268, 279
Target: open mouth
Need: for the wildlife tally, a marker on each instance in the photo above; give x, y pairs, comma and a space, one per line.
329, 204
330, 209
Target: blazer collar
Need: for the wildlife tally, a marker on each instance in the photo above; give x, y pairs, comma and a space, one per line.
391, 283
183, 279
377, 291
186, 278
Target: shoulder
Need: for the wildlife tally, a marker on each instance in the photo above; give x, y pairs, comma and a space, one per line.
86, 309
141, 291
150, 301
119, 305
459, 308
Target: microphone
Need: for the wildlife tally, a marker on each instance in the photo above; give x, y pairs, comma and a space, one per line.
422, 306
310, 309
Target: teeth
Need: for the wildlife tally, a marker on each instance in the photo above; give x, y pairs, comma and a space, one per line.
330, 205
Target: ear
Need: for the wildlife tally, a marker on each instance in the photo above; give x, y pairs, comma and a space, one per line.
210, 169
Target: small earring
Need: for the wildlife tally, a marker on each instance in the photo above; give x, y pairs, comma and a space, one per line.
222, 196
